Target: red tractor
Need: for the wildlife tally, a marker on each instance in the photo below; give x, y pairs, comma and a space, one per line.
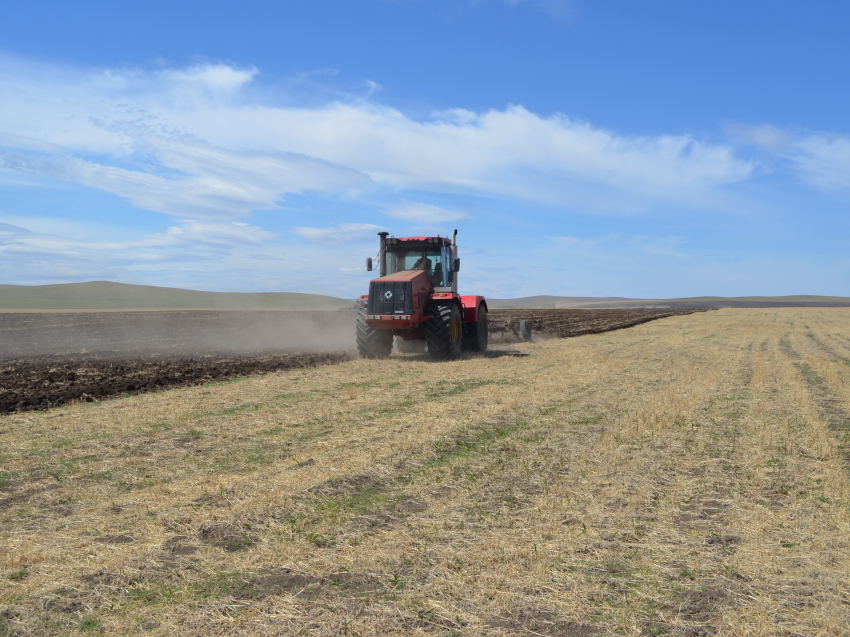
415, 302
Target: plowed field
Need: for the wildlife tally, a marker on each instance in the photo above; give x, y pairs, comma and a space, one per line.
686, 477
569, 323
53, 359
45, 382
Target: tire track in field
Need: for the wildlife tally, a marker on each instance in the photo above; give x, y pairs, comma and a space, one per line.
830, 406
499, 492
606, 489
228, 497
797, 574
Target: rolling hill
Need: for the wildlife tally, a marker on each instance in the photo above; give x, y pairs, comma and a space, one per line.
106, 295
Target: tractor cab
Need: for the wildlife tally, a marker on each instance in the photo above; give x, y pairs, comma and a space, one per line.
433, 255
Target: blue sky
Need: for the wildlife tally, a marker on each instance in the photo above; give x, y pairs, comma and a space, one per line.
653, 149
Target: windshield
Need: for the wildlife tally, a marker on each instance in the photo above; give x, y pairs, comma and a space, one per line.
429, 260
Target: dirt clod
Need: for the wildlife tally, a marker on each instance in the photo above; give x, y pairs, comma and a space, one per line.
227, 536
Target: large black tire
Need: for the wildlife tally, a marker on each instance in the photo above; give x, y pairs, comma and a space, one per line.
409, 347
444, 332
372, 343
476, 335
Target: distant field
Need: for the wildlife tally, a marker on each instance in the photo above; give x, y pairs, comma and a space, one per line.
715, 302
687, 476
105, 295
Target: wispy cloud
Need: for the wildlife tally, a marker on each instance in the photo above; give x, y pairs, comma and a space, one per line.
765, 136
208, 141
31, 256
344, 233
823, 161
423, 213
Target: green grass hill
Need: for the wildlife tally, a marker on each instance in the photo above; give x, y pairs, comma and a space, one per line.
105, 295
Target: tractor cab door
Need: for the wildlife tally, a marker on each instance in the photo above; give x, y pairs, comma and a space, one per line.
445, 280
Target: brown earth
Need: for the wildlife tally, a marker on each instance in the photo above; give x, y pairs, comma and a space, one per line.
56, 359
46, 382
570, 323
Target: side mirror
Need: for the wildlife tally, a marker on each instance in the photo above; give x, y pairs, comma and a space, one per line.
368, 264
456, 266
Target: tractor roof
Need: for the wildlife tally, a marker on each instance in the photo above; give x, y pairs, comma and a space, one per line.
419, 240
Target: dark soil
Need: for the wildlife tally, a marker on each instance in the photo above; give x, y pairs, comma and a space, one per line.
569, 323
53, 359
44, 382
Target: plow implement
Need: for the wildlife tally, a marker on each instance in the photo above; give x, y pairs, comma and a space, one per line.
521, 329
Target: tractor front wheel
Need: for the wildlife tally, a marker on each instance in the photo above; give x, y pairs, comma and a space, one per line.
372, 343
444, 332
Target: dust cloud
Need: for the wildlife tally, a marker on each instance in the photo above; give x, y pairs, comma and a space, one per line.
191, 332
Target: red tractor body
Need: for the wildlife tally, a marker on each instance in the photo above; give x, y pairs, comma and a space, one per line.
415, 300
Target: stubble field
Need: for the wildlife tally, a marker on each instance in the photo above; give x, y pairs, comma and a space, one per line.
687, 476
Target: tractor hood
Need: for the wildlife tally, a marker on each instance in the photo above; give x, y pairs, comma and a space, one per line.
408, 275
404, 292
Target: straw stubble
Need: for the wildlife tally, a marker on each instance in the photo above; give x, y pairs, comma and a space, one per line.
684, 477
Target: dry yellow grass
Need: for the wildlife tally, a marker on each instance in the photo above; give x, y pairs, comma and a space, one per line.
685, 477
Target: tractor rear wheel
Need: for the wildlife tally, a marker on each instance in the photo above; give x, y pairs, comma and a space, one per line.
371, 342
476, 335
444, 332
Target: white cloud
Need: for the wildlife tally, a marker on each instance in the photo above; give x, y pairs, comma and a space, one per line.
423, 213
190, 178
823, 161
206, 142
344, 233
513, 153
765, 136
27, 256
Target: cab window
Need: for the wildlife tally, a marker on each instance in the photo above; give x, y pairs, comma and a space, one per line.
431, 261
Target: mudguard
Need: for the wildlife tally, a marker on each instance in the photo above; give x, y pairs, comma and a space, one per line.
470, 305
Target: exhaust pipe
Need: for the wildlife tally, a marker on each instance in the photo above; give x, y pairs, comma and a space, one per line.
454, 238
382, 254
